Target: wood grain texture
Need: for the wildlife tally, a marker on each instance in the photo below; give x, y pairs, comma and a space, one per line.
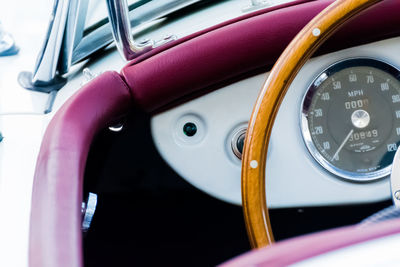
270, 98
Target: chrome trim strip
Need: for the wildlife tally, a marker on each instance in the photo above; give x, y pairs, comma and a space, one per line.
46, 65
102, 36
65, 43
121, 23
118, 15
73, 32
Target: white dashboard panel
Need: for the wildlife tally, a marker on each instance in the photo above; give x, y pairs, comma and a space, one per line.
293, 177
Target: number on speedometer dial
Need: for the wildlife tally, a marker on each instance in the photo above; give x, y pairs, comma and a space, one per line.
351, 118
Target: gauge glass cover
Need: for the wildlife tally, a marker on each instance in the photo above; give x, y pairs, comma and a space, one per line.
350, 118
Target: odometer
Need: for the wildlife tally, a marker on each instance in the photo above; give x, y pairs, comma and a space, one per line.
351, 118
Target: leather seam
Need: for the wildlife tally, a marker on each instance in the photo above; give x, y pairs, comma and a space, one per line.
121, 80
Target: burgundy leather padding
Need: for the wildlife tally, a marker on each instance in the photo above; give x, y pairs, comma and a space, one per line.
243, 45
295, 250
156, 79
55, 238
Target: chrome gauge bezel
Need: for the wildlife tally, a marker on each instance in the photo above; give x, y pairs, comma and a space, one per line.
306, 104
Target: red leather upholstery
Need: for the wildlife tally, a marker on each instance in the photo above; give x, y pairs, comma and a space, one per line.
301, 248
55, 228
244, 45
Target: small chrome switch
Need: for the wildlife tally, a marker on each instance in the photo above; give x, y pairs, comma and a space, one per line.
237, 142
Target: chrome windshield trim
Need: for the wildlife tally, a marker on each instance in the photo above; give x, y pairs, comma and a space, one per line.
122, 22
118, 15
73, 32
66, 44
46, 64
102, 36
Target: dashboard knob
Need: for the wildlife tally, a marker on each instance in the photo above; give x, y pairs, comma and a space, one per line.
237, 142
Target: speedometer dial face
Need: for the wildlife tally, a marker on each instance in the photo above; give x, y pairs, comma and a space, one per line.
351, 118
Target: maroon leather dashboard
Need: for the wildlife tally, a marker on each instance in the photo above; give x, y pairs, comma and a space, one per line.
247, 44
193, 64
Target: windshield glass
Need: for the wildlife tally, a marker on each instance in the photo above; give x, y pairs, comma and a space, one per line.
97, 11
142, 11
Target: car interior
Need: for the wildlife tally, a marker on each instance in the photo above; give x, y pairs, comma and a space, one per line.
205, 133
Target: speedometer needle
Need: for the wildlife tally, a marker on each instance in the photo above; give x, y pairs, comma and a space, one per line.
342, 145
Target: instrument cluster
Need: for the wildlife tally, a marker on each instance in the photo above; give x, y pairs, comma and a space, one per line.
351, 118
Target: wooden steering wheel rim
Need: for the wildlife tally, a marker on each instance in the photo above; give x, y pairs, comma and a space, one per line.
268, 102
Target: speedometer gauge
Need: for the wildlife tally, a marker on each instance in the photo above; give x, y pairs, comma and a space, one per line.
351, 118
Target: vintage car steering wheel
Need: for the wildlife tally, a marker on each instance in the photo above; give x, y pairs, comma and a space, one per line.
268, 102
